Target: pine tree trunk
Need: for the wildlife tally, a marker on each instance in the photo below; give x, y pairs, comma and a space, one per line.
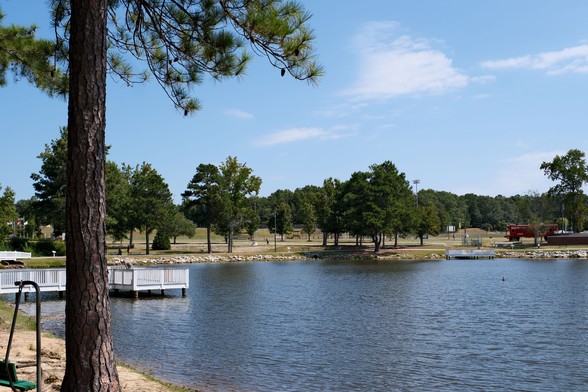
90, 362
146, 241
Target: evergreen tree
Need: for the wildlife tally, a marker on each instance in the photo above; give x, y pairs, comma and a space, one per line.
181, 42
7, 213
202, 199
51, 183
152, 206
331, 214
118, 200
30, 58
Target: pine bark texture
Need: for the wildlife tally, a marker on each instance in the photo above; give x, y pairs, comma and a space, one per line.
90, 363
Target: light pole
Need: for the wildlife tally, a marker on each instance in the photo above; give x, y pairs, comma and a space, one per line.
416, 186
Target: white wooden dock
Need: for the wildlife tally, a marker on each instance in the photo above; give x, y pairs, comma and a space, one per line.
469, 254
131, 280
14, 255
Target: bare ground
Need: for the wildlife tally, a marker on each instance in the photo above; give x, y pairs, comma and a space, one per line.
53, 363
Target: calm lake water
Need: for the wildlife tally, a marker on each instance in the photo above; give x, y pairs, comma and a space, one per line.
512, 325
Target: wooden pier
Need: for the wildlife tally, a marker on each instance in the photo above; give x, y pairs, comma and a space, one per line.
469, 254
14, 255
131, 280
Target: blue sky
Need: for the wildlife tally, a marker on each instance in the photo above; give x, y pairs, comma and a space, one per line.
466, 96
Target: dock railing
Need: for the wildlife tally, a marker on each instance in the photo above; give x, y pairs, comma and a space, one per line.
137, 279
14, 255
119, 279
470, 254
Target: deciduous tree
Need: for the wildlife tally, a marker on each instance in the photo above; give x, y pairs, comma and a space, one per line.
236, 183
307, 214
572, 173
427, 221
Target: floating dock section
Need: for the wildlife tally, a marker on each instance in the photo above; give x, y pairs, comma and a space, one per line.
469, 254
131, 280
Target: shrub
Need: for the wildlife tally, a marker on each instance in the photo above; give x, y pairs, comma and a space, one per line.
46, 246
161, 242
59, 248
18, 243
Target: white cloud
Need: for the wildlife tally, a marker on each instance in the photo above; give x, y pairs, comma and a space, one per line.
522, 173
240, 114
568, 60
392, 64
298, 134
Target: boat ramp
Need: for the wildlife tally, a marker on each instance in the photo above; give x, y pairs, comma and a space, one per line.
131, 280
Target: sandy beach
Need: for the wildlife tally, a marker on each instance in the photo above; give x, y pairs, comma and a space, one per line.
53, 363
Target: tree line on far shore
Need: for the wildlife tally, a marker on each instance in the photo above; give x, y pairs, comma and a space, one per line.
371, 205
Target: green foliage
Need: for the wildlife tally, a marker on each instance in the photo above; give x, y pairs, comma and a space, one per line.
181, 42
152, 205
117, 200
571, 171
376, 202
252, 221
308, 217
51, 183
330, 209
428, 222
30, 58
220, 196
18, 244
283, 220
46, 246
236, 183
7, 212
161, 242
182, 226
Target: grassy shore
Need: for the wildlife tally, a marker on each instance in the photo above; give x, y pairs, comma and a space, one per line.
297, 246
